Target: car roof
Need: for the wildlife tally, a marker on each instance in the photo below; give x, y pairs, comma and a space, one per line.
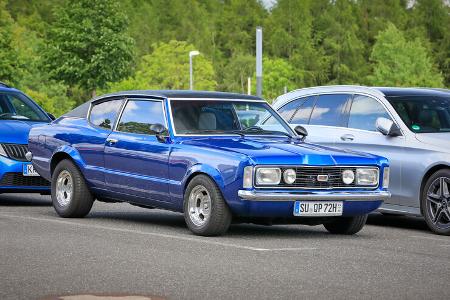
395, 91
182, 94
374, 91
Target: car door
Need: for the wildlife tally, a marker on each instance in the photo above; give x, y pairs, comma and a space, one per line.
321, 115
362, 135
90, 142
136, 161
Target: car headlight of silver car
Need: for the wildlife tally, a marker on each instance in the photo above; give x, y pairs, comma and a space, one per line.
2, 151
367, 176
268, 176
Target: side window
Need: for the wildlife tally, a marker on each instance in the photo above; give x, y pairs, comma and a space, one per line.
329, 109
139, 115
286, 112
364, 113
304, 112
105, 113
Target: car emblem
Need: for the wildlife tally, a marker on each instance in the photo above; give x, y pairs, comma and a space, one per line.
322, 178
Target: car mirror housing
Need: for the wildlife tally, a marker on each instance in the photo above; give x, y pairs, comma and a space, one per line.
387, 127
301, 131
160, 131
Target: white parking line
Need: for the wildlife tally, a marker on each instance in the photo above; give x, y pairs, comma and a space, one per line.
162, 235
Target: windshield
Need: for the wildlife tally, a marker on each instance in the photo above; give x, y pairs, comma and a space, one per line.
226, 117
423, 114
16, 106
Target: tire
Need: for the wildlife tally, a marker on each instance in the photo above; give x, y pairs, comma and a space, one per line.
75, 202
205, 210
346, 225
434, 204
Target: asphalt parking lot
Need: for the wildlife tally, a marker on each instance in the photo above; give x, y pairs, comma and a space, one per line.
120, 249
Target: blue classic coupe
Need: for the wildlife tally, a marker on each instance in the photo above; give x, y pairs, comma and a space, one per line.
18, 114
205, 154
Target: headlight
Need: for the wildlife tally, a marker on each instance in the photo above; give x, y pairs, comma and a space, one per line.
367, 176
2, 151
248, 177
289, 176
268, 176
386, 176
348, 176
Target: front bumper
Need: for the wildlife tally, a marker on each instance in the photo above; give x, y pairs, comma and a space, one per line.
311, 196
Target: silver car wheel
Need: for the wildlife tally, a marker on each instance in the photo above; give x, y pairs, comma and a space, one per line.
438, 202
64, 188
199, 205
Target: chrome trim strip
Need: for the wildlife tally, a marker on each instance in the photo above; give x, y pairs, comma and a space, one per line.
325, 196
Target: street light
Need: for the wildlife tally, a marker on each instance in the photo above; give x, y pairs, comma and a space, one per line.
191, 76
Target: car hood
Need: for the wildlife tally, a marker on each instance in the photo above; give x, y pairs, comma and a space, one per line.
15, 132
441, 140
276, 151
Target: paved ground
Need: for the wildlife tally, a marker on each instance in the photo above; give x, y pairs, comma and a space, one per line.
121, 249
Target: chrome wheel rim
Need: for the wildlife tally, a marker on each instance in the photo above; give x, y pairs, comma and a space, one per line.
64, 188
199, 206
438, 202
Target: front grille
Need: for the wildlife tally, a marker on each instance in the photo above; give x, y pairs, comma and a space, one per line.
17, 179
307, 178
16, 151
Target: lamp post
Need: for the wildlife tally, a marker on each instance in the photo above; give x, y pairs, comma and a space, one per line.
191, 75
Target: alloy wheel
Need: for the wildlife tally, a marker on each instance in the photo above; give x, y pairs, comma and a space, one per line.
199, 205
438, 202
64, 188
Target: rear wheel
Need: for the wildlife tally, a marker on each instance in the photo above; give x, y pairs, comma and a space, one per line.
70, 195
346, 225
205, 210
436, 202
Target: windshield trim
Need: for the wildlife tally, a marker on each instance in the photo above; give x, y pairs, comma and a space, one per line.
269, 107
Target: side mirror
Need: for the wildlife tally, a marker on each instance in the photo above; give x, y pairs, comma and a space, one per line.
387, 127
159, 130
301, 131
51, 116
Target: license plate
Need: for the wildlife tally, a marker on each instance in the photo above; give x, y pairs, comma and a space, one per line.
318, 208
28, 170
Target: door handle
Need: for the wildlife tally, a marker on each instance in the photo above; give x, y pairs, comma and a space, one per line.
112, 142
348, 137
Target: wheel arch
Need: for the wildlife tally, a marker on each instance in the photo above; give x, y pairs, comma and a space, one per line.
65, 153
208, 171
427, 175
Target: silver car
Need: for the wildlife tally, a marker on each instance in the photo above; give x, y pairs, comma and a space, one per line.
409, 126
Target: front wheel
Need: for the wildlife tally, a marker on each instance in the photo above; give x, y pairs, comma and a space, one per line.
346, 225
205, 210
70, 194
436, 202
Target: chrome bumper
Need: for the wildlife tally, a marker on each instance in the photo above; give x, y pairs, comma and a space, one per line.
342, 196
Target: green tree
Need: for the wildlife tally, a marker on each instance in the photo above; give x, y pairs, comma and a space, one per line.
88, 45
340, 40
8, 55
278, 75
398, 62
167, 67
236, 72
289, 35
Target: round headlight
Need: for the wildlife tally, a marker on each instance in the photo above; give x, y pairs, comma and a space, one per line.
348, 176
289, 176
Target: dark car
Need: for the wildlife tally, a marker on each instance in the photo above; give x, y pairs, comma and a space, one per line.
204, 154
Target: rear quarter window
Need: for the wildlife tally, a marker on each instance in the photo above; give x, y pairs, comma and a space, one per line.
104, 114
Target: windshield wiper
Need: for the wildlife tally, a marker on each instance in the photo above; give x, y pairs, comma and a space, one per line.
259, 130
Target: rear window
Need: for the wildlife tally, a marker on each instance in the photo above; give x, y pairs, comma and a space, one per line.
329, 110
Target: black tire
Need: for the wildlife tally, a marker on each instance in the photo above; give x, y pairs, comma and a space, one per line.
430, 209
346, 225
80, 202
220, 216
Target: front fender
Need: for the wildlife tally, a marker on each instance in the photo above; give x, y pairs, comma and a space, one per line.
205, 169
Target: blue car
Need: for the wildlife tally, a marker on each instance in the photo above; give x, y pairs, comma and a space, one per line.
207, 155
18, 114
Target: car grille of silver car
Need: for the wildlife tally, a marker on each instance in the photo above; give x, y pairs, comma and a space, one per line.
16, 151
307, 177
